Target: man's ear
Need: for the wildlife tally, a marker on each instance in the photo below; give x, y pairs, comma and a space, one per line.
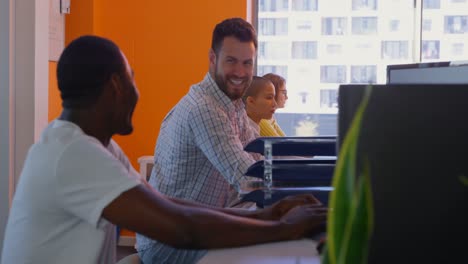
116, 84
212, 57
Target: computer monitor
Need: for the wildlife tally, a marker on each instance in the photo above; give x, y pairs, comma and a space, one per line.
455, 72
416, 140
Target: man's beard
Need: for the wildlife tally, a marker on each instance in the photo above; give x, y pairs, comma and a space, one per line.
223, 86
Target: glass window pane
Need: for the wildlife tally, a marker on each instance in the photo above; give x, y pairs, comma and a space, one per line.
273, 5
333, 74
365, 4
364, 25
430, 49
273, 26
456, 24
431, 4
363, 73
333, 42
445, 32
334, 25
304, 50
304, 5
395, 50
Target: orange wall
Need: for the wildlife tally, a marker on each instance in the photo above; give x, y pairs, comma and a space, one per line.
167, 45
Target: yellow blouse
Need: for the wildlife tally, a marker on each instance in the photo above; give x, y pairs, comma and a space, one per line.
269, 128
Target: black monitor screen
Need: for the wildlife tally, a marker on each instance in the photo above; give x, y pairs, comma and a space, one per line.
427, 73
416, 139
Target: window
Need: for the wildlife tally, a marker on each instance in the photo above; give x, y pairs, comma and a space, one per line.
332, 42
304, 5
329, 98
430, 49
273, 26
303, 95
280, 70
363, 74
304, 50
427, 25
394, 49
333, 74
333, 26
364, 25
394, 25
431, 4
273, 50
365, 4
273, 5
334, 49
456, 24
457, 49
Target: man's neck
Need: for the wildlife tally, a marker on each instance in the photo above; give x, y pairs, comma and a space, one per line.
88, 121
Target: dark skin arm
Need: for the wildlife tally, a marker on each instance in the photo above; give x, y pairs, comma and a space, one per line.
183, 226
274, 212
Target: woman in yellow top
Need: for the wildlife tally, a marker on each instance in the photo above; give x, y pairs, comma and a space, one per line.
260, 104
269, 127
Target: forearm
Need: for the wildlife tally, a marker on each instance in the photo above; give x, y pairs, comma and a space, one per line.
231, 211
188, 226
214, 229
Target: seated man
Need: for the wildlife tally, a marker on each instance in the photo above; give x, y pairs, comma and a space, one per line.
259, 100
199, 152
77, 183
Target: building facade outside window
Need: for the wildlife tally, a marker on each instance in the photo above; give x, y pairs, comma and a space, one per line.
456, 24
304, 50
431, 4
319, 44
430, 49
334, 26
273, 5
304, 5
365, 4
363, 73
333, 74
395, 50
364, 25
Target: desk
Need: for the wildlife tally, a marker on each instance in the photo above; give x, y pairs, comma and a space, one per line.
288, 252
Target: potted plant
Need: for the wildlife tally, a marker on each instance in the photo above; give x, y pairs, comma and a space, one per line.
350, 219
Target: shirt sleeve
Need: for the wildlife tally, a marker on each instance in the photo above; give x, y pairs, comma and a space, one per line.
220, 143
90, 177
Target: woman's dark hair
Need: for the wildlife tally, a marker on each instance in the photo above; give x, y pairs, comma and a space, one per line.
257, 84
233, 27
85, 67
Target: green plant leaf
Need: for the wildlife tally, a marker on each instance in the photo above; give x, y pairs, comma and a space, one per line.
341, 205
463, 179
360, 222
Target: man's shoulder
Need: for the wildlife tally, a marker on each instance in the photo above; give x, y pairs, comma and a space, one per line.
197, 100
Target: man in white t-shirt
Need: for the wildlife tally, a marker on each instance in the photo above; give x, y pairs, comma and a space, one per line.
77, 183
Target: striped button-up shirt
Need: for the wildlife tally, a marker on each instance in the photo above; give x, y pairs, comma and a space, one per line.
199, 153
199, 156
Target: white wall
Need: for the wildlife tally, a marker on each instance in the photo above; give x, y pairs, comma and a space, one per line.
4, 114
23, 89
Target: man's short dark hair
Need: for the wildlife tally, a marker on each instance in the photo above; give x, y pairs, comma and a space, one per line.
233, 27
85, 67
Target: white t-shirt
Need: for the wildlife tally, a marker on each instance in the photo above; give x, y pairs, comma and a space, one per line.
67, 180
